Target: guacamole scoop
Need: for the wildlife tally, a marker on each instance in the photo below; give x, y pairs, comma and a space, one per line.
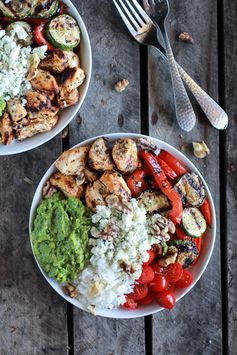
60, 237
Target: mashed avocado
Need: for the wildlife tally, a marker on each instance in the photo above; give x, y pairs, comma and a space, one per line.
60, 237
2, 106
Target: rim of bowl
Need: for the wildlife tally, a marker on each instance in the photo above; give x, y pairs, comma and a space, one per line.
45, 137
122, 313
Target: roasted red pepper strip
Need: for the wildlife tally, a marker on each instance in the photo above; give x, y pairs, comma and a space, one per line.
198, 242
206, 211
177, 207
169, 172
181, 235
174, 163
39, 33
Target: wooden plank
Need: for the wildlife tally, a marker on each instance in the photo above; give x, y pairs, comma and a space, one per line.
33, 316
230, 57
115, 56
199, 312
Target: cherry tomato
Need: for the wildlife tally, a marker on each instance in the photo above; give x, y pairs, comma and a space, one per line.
39, 33
130, 304
157, 268
174, 163
166, 299
140, 291
137, 183
206, 211
185, 280
174, 272
151, 257
148, 299
147, 275
158, 284
181, 235
169, 172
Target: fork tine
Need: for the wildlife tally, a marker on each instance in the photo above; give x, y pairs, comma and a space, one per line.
129, 15
125, 20
141, 11
138, 18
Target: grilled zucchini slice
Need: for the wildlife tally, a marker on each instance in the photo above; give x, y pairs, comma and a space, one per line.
63, 32
191, 189
187, 252
193, 222
26, 27
153, 201
45, 9
20, 8
5, 10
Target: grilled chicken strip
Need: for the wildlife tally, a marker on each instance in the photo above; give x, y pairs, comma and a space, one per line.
44, 114
36, 126
125, 155
72, 162
90, 175
44, 81
67, 99
95, 195
67, 184
16, 110
37, 101
73, 59
6, 131
116, 185
72, 78
55, 62
99, 157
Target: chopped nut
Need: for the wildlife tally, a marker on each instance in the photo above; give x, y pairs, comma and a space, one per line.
48, 190
65, 133
70, 290
121, 85
96, 288
170, 257
185, 37
200, 150
92, 309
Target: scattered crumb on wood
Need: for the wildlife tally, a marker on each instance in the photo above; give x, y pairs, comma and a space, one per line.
28, 180
121, 85
185, 37
65, 133
200, 150
79, 119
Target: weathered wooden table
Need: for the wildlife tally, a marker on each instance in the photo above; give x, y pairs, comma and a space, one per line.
33, 318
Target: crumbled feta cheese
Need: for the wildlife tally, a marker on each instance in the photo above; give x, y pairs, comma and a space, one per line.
40, 51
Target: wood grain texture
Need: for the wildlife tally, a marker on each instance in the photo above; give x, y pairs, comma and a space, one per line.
33, 317
230, 47
115, 56
199, 312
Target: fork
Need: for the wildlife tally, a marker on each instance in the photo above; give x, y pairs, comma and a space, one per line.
144, 31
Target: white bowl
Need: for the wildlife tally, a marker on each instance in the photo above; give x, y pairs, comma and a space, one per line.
197, 269
67, 114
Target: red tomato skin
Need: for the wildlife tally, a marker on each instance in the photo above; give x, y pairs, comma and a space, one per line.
130, 304
147, 300
185, 281
158, 284
181, 235
170, 173
137, 183
206, 211
166, 299
140, 291
151, 257
198, 242
159, 270
39, 34
174, 272
147, 275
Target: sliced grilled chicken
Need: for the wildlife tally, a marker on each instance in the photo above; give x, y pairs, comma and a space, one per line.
6, 131
99, 157
44, 81
37, 101
36, 126
95, 195
55, 62
44, 114
67, 99
73, 59
116, 185
72, 162
90, 175
125, 155
16, 110
67, 184
72, 78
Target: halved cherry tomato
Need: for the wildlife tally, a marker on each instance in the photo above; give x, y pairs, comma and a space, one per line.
137, 183
147, 275
174, 163
173, 272
198, 242
130, 303
185, 280
166, 299
151, 257
169, 172
206, 211
181, 235
157, 268
148, 299
39, 33
158, 284
140, 291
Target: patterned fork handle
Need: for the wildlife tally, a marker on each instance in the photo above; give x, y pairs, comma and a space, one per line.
215, 114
